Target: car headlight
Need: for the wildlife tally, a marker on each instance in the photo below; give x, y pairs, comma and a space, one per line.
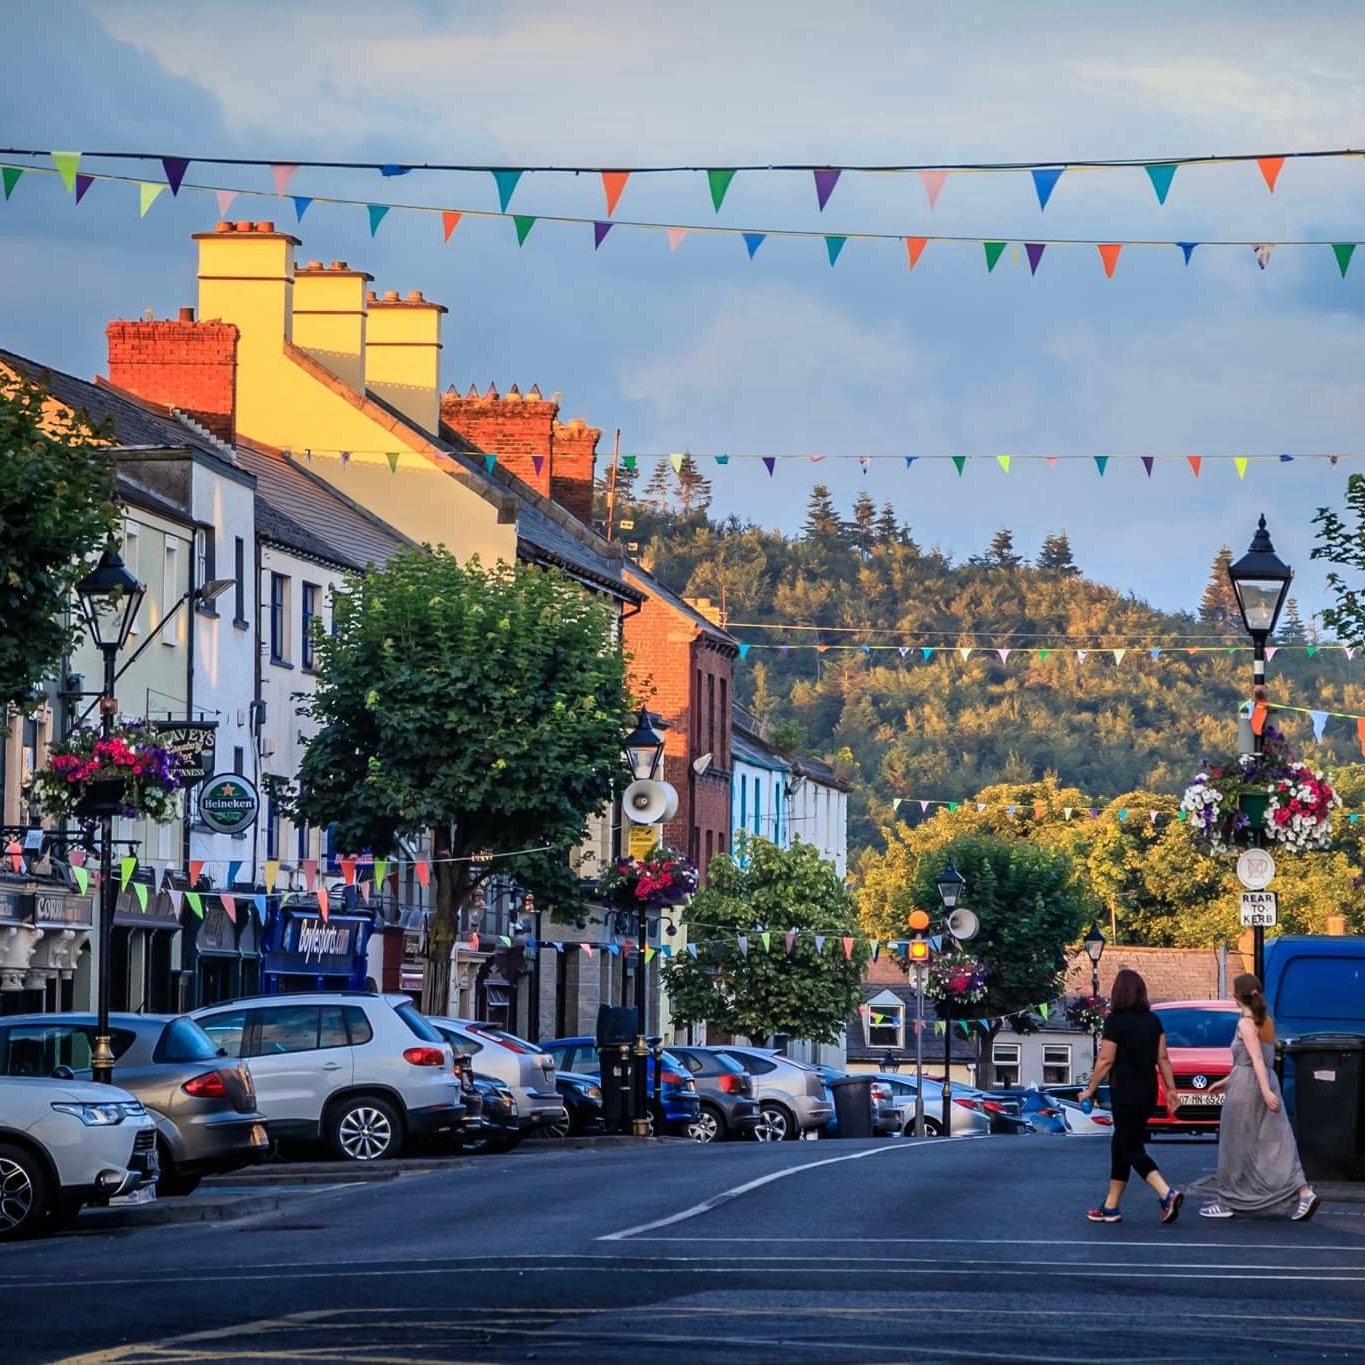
102, 1115
592, 1092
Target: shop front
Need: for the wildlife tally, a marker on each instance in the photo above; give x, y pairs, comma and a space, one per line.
144, 962
223, 958
304, 952
44, 931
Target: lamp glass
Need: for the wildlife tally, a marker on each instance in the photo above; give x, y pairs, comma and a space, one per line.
1261, 581
644, 747
950, 883
1094, 943
110, 595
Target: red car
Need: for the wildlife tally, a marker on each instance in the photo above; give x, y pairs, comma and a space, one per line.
1199, 1037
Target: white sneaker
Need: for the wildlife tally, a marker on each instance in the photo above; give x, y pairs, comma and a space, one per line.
1215, 1210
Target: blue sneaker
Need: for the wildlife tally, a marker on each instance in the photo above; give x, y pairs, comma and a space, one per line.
1104, 1215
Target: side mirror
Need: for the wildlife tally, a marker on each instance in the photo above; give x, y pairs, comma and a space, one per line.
222, 1052
63, 1073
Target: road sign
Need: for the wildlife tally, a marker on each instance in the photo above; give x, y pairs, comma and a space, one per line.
1255, 869
1259, 909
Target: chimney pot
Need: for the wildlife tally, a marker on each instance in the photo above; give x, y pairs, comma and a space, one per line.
222, 225
415, 296
514, 392
391, 296
533, 391
187, 315
473, 392
265, 225
339, 265
313, 265
244, 225
492, 391
371, 296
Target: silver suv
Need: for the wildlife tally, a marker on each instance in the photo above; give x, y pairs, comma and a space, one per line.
361, 1072
526, 1070
791, 1095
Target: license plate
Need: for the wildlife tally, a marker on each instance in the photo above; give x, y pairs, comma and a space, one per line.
1201, 1097
145, 1195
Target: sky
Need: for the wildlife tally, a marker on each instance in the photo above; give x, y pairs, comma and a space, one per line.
701, 348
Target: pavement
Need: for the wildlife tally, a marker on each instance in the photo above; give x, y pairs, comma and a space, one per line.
971, 1250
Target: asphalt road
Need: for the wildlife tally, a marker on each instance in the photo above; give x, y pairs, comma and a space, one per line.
974, 1250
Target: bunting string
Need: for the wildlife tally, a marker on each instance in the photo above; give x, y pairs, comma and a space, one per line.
1003, 653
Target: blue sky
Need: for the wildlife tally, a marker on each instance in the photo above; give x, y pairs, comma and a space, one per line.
702, 349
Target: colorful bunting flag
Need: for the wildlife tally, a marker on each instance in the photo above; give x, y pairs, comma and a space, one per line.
196, 903
834, 245
11, 175
148, 192
1109, 256
125, 871
1195, 462
66, 163
752, 242
1101, 463
301, 202
599, 233
1147, 463
825, 181
675, 237
933, 182
1034, 251
258, 901
770, 464
229, 904
993, 250
282, 172
613, 182
1161, 176
1187, 249
1241, 462
376, 213
1343, 251
1045, 180
506, 182
719, 182
1004, 462
960, 463
914, 248
175, 168
1271, 166
324, 904
82, 878
83, 183
225, 198
450, 220
523, 223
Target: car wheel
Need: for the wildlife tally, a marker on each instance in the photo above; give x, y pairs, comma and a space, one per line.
708, 1126
25, 1200
560, 1128
364, 1128
775, 1124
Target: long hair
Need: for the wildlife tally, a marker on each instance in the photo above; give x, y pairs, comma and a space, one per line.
1129, 993
1246, 989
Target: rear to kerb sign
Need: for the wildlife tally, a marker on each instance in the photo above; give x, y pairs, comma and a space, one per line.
228, 803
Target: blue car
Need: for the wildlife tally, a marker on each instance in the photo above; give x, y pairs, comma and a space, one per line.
1038, 1109
678, 1098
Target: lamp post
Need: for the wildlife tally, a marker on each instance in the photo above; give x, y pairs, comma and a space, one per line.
1261, 581
109, 597
950, 883
1094, 943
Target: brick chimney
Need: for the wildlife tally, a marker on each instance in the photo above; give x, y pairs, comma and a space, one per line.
575, 460
403, 354
329, 318
181, 364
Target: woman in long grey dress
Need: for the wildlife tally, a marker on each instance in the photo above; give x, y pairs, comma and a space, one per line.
1258, 1160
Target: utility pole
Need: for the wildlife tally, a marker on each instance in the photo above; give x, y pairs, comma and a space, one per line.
611, 483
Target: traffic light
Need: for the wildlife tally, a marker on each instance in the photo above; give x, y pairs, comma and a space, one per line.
920, 952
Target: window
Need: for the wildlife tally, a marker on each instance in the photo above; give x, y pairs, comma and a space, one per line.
417, 1025
131, 546
227, 1030
696, 714
170, 592
744, 803
885, 1025
710, 845
312, 601
1005, 1062
777, 811
206, 564
1056, 1063
357, 1025
304, 841
758, 805
279, 619
239, 582
332, 1029
38, 1049
183, 1040
272, 826
239, 760
711, 716
723, 757
293, 1028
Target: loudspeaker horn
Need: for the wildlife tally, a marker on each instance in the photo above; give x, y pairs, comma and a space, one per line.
670, 800
645, 802
963, 923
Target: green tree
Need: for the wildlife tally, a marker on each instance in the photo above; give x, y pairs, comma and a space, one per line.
658, 489
1291, 629
484, 705
693, 491
862, 530
889, 530
1000, 552
1218, 606
1055, 555
1341, 542
822, 520
56, 509
740, 984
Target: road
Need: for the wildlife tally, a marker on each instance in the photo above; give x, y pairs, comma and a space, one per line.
973, 1250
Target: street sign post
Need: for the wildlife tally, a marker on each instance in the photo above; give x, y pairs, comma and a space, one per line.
1259, 910
1255, 869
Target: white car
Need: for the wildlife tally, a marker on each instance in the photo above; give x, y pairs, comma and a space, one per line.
1078, 1121
64, 1144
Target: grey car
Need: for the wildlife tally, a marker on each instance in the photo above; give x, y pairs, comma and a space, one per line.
791, 1096
525, 1069
726, 1092
203, 1103
974, 1113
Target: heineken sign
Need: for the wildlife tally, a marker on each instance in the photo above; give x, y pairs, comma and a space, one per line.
228, 803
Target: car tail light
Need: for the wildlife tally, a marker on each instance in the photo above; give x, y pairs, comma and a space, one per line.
512, 1047
209, 1086
974, 1105
673, 1078
994, 1107
1049, 1113
732, 1084
424, 1056
1102, 1119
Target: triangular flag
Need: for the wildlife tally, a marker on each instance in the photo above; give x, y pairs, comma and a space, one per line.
348, 869
675, 237
926, 652
1082, 655
1154, 652
586, 949
1310, 650
177, 898
1004, 655
960, 461
819, 943
914, 247
324, 906
770, 464
282, 172
1045, 180
1270, 651
1262, 253
1123, 814
1004, 462
933, 182
613, 182
834, 245
376, 212
790, 937
1271, 166
125, 871
450, 220
391, 169
83, 183
196, 870
719, 181
423, 871
1118, 656
524, 223
259, 902
11, 176
366, 889
148, 192
229, 904
310, 873
965, 651
1034, 251
649, 953
489, 461
599, 233
1101, 463
196, 903
272, 872
1147, 462
753, 240
825, 181
66, 163
1241, 462
1066, 812
767, 938
630, 462
742, 943
744, 651
506, 182
691, 950
14, 850
82, 878
722, 459
1043, 653
1319, 719
993, 250
1187, 249
392, 457
175, 168
848, 948
1109, 255
1195, 462
225, 198
301, 202
1161, 176
234, 871
1343, 251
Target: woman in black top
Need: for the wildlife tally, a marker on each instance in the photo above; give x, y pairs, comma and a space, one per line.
1133, 1046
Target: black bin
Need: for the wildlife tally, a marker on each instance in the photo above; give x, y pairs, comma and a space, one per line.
1329, 1104
853, 1105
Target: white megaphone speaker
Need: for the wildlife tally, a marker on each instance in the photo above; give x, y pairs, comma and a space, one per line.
670, 800
645, 802
963, 923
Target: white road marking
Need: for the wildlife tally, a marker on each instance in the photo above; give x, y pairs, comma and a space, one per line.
1174, 1241
725, 1196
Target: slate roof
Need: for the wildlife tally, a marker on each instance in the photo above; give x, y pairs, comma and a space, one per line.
654, 588
748, 748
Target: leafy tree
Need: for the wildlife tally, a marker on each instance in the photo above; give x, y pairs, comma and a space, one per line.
485, 705
862, 530
1291, 629
56, 509
822, 521
888, 530
1341, 542
1218, 606
1055, 555
760, 989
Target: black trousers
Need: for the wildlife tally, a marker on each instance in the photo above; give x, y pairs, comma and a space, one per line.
1127, 1152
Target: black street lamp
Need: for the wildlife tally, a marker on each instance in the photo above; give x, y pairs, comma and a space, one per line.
950, 883
644, 747
1261, 581
109, 597
1094, 943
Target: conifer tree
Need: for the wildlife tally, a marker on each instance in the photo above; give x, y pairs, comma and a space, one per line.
888, 531
822, 521
1000, 552
862, 529
1218, 606
1055, 555
1291, 631
693, 489
658, 489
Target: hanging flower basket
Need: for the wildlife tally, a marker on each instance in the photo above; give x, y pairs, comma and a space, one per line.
956, 979
1088, 1012
1270, 794
89, 775
665, 877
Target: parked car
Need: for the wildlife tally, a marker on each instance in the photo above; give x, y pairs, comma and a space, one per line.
725, 1092
582, 1098
974, 1112
525, 1069
1072, 1092
1078, 1121
1199, 1037
498, 1128
361, 1072
65, 1144
1040, 1110
203, 1105
679, 1106
792, 1100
